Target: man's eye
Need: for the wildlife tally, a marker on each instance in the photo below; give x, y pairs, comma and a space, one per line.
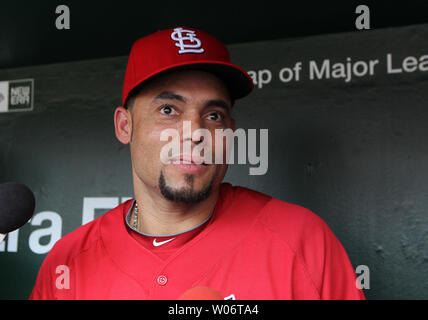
215, 116
167, 110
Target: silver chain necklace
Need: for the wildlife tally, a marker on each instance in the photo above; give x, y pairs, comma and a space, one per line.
135, 222
135, 219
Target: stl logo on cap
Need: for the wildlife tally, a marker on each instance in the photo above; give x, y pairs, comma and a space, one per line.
192, 44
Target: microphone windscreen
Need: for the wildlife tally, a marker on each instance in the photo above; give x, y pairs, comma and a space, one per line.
201, 293
17, 204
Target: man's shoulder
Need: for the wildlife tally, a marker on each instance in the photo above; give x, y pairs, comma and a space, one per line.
279, 214
245, 196
82, 238
291, 222
298, 227
274, 209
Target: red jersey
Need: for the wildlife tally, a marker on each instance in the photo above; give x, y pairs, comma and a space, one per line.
252, 247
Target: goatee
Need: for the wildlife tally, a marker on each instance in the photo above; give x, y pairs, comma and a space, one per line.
185, 195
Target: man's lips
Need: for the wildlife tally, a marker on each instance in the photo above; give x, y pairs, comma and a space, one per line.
190, 165
185, 159
190, 168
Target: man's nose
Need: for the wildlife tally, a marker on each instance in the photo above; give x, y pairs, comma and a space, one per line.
191, 124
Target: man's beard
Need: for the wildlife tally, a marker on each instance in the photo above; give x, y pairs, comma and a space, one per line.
185, 195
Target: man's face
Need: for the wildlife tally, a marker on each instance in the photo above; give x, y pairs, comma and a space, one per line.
202, 100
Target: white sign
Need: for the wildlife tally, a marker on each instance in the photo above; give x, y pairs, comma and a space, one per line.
16, 95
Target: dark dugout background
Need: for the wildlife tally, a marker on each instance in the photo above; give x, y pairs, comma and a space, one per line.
353, 152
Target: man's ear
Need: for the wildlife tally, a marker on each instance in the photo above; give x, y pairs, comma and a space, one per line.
123, 124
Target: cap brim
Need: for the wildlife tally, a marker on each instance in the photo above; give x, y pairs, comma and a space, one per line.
236, 79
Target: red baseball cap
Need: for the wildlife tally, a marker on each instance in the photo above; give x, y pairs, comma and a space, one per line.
183, 48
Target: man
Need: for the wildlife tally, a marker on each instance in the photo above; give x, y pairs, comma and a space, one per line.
185, 228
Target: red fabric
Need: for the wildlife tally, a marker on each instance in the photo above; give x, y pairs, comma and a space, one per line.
160, 52
254, 247
165, 250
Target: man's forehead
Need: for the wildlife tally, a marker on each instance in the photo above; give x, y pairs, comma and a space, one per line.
180, 85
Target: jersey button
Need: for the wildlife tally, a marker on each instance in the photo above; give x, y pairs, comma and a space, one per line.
162, 280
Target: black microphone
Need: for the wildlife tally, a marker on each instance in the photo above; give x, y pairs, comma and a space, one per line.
17, 204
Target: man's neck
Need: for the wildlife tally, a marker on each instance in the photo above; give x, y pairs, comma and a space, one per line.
160, 216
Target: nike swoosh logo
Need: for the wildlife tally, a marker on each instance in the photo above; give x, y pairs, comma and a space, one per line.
157, 244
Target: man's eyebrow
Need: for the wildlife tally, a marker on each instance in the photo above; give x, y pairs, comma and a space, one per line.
167, 95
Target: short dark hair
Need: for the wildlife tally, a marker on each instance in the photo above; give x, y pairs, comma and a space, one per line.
130, 100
